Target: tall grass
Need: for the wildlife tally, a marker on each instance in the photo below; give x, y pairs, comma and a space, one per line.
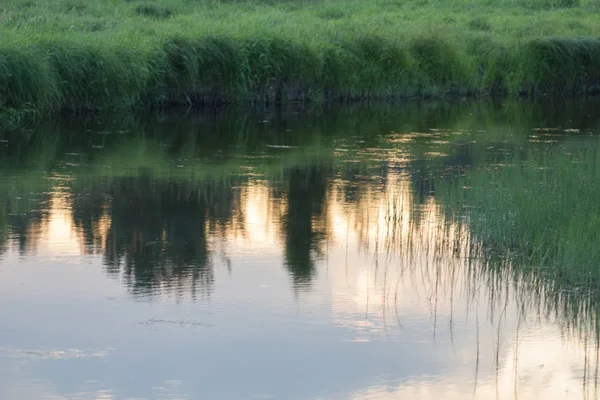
78, 55
540, 210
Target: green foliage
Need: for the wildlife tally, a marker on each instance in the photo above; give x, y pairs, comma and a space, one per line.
25, 79
90, 77
153, 11
562, 63
201, 65
480, 24
74, 6
440, 62
551, 4
332, 12
89, 55
492, 59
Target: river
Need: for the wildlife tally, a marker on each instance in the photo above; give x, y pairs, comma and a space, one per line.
282, 254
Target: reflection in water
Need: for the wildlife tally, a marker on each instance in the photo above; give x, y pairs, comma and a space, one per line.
158, 232
304, 224
22, 216
390, 292
157, 237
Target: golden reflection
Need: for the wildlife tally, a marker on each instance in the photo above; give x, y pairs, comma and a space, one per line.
55, 234
548, 369
385, 262
260, 212
411, 258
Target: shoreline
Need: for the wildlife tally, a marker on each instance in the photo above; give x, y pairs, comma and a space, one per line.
55, 77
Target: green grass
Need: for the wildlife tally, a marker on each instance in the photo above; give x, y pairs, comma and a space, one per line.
97, 54
539, 212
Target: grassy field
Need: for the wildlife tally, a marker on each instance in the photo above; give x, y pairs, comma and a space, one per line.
98, 54
94, 54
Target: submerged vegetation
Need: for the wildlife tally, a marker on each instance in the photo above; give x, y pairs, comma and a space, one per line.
97, 54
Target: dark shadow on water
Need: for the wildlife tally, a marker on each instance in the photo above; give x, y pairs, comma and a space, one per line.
304, 224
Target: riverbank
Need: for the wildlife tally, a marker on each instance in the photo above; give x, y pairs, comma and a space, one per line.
79, 55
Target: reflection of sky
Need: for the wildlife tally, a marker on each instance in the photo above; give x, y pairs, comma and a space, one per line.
391, 313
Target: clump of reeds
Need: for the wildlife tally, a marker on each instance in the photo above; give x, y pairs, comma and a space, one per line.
79, 75
560, 64
440, 62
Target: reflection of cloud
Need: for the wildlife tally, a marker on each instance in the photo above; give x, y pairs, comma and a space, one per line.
412, 262
544, 369
43, 394
398, 276
61, 236
51, 354
416, 282
19, 381
99, 395
260, 211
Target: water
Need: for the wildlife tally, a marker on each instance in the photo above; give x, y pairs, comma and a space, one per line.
278, 255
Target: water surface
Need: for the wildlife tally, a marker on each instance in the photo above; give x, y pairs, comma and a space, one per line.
279, 255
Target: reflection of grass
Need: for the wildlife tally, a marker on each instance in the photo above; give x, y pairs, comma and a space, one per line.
134, 156
542, 211
216, 146
4, 226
